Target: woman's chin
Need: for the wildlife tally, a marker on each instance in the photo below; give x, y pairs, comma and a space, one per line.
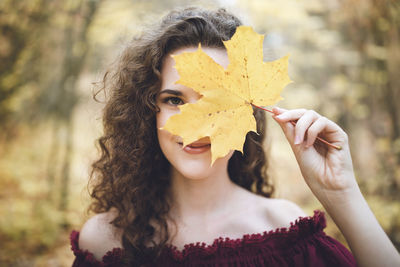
194, 169
200, 167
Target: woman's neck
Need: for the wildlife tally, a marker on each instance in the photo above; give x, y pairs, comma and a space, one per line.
202, 198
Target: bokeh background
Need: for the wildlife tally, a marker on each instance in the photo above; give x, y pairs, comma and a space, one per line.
344, 61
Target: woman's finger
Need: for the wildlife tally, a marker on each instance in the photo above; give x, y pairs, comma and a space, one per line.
302, 125
316, 128
331, 131
298, 124
291, 115
277, 111
287, 128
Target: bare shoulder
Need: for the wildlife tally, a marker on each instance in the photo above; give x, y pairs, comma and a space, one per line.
270, 213
286, 208
98, 236
280, 212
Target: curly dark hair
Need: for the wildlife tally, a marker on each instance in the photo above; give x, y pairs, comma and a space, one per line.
132, 174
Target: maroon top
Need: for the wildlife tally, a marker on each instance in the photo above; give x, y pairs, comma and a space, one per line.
302, 244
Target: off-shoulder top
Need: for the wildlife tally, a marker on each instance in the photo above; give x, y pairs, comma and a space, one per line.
304, 243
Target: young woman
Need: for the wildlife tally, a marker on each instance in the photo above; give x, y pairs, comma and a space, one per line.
161, 204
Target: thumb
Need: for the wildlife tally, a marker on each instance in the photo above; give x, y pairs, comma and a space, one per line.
288, 130
277, 110
287, 127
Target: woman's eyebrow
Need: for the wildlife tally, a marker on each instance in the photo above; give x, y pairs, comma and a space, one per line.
172, 92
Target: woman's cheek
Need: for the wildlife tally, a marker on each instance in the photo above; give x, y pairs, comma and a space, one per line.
164, 115
164, 136
161, 119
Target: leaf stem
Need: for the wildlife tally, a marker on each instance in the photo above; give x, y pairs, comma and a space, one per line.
294, 123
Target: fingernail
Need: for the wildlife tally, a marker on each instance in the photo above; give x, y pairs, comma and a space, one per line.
297, 140
277, 110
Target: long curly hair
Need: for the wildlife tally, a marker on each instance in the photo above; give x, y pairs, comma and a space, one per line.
132, 175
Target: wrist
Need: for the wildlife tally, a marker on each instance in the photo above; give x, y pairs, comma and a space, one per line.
347, 199
366, 238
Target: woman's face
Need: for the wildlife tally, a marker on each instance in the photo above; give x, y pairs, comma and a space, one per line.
194, 160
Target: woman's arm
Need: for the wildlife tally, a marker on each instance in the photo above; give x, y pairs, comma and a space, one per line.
330, 176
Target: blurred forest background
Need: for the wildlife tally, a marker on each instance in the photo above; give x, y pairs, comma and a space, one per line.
345, 61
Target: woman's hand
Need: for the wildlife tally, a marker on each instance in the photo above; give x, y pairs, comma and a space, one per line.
329, 173
327, 170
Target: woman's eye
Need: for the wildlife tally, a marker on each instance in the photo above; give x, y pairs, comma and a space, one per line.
173, 101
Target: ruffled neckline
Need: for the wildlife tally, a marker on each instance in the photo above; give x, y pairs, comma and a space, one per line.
267, 241
278, 238
111, 257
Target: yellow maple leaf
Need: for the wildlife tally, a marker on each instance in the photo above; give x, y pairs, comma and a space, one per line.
224, 112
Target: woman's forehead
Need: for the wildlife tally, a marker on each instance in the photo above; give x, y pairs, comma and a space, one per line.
169, 74
219, 55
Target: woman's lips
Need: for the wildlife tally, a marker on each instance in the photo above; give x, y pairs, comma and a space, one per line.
196, 148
